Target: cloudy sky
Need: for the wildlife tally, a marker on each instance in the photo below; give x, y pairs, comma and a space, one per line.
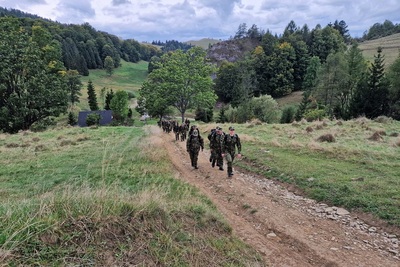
184, 20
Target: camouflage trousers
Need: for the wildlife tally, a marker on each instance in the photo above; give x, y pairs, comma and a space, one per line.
230, 156
194, 156
217, 157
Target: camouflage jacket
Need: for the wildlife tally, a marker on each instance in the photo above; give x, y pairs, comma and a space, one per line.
194, 143
230, 142
216, 141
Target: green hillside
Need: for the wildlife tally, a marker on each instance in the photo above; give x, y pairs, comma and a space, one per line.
129, 76
390, 45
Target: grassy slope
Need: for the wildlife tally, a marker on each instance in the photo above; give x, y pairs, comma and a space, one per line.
203, 43
390, 45
81, 196
329, 171
129, 77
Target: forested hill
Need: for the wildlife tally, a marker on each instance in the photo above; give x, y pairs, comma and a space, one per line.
84, 47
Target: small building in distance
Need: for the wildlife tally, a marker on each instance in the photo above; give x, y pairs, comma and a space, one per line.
105, 117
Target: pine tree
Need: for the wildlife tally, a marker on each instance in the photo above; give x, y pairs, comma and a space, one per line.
71, 118
378, 88
92, 98
371, 96
109, 96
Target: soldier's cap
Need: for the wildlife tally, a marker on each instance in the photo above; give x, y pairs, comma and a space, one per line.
218, 128
195, 133
231, 128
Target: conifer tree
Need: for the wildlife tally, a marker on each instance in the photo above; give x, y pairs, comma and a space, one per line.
92, 98
109, 96
378, 88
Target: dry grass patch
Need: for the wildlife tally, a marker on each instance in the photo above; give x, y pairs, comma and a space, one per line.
40, 148
326, 138
309, 129
397, 143
82, 138
275, 143
376, 136
247, 138
312, 145
12, 145
253, 123
35, 139
296, 144
67, 142
296, 124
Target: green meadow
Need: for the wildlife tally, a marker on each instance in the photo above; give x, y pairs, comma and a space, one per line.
93, 197
353, 164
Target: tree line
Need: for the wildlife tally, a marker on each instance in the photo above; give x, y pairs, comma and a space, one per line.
82, 47
324, 63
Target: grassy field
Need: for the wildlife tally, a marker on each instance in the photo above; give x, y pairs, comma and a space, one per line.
92, 197
390, 45
360, 170
129, 77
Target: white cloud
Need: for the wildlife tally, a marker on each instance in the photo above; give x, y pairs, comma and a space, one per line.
147, 20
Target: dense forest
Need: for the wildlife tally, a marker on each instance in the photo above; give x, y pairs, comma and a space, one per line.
83, 47
324, 63
172, 45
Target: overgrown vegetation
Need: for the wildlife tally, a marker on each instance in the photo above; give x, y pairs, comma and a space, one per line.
91, 196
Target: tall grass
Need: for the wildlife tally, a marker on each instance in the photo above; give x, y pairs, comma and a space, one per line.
106, 196
354, 171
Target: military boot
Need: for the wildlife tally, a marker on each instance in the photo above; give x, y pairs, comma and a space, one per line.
230, 172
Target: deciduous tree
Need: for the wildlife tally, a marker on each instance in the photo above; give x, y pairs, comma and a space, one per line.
32, 86
182, 80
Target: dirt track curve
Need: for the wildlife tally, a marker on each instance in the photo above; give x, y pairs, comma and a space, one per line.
274, 221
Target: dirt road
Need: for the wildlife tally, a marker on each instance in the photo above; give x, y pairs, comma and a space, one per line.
287, 229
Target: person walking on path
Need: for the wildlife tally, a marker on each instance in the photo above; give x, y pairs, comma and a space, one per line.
216, 142
193, 145
230, 143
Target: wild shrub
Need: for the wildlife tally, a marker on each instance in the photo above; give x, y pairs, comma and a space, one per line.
43, 124
93, 119
326, 138
288, 114
72, 119
315, 114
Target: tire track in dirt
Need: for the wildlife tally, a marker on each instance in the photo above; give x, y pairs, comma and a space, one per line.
283, 235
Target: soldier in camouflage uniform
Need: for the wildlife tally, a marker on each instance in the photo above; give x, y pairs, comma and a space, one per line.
231, 141
216, 142
193, 145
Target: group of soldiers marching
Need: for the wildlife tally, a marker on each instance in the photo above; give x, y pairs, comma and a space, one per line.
222, 145
180, 131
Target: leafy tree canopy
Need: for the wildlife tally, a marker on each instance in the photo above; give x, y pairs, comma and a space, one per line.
32, 84
182, 80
